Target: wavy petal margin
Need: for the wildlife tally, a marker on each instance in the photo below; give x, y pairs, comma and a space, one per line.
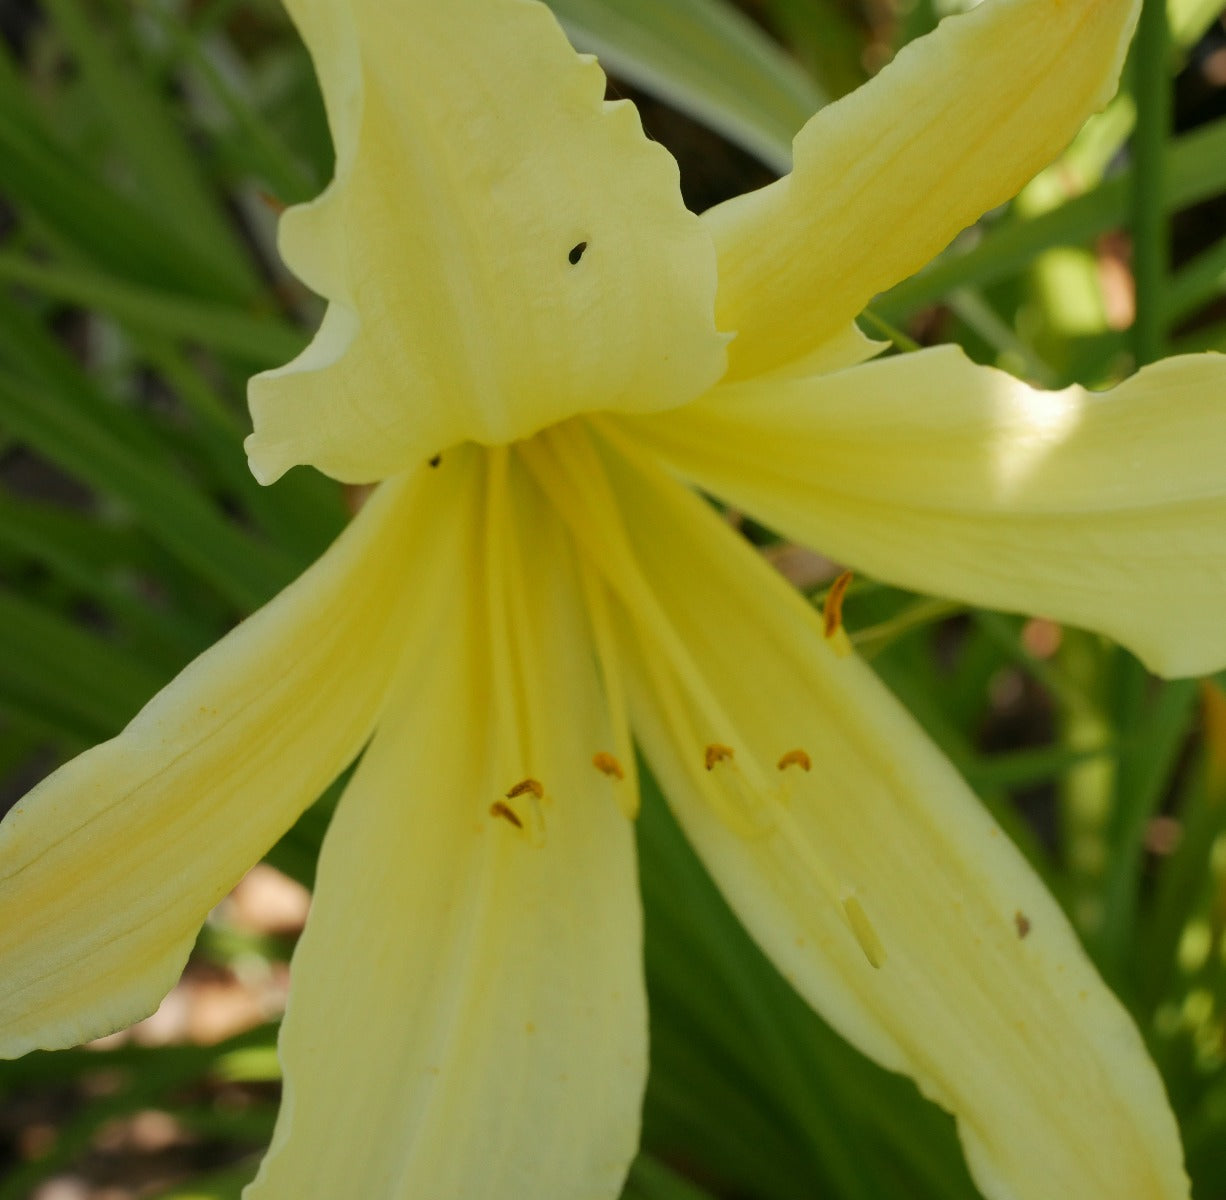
886, 177
501, 247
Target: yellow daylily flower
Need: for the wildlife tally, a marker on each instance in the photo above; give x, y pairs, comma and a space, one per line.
527, 343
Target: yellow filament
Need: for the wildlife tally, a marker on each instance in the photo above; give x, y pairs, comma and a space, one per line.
863, 929
761, 812
569, 471
832, 616
627, 797
792, 758
595, 596
748, 815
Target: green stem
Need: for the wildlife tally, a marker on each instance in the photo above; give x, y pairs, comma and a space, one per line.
904, 343
1149, 228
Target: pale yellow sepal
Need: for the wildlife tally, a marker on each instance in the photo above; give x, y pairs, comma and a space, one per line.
468, 1019
886, 177
502, 248
1101, 509
875, 880
108, 868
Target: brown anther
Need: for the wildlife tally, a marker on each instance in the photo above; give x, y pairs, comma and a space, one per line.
435, 460
716, 752
1022, 923
832, 611
499, 809
524, 786
795, 758
604, 761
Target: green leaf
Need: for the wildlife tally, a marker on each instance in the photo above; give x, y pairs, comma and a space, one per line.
1189, 19
100, 562
56, 410
258, 341
1151, 743
652, 1180
705, 58
69, 196
167, 167
1195, 171
1201, 280
825, 38
63, 676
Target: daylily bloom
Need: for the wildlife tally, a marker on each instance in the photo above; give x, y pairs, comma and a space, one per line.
539, 352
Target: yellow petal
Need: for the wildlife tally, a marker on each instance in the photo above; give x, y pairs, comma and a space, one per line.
467, 1018
874, 879
885, 178
1102, 509
504, 248
108, 868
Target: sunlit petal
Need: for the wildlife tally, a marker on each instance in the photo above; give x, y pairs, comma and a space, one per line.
507, 248
863, 865
468, 1018
1102, 509
886, 177
109, 867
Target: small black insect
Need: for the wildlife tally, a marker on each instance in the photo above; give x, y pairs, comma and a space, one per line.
576, 253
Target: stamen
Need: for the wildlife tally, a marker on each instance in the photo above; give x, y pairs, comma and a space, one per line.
753, 809
787, 785
522, 809
501, 809
832, 616
795, 758
745, 809
863, 930
605, 762
524, 786
626, 798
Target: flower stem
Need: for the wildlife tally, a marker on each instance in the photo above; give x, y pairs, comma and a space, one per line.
1149, 231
